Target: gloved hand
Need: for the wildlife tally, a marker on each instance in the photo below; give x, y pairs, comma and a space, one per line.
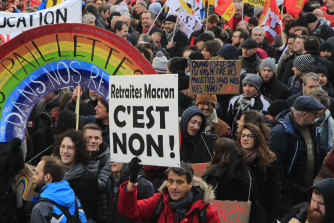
134, 168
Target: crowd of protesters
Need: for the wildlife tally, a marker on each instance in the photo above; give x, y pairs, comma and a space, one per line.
270, 144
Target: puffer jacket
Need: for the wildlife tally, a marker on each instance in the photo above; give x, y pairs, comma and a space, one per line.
100, 166
323, 31
143, 210
61, 193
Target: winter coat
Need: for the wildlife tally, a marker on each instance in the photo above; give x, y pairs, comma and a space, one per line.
61, 193
144, 191
285, 71
275, 89
319, 61
184, 102
85, 186
268, 48
323, 31
295, 85
198, 148
251, 64
232, 182
290, 148
258, 103
87, 107
180, 42
325, 129
100, 166
143, 210
267, 183
329, 89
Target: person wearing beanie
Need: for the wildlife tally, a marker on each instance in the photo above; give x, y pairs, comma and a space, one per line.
123, 9
155, 7
201, 39
196, 143
318, 27
319, 207
326, 51
251, 99
176, 64
301, 65
160, 63
250, 60
207, 104
228, 52
271, 87
253, 22
176, 42
325, 84
294, 141
139, 8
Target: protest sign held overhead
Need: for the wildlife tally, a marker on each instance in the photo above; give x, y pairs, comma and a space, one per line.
143, 121
48, 58
13, 24
232, 211
215, 76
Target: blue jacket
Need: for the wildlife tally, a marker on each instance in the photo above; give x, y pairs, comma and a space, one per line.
291, 151
61, 193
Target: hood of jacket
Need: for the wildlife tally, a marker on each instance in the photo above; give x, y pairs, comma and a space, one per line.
75, 172
197, 182
60, 192
322, 22
103, 151
326, 189
186, 116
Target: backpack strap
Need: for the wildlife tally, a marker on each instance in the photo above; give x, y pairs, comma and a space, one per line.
63, 208
158, 209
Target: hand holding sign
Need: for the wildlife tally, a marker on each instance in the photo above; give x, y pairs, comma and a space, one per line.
134, 168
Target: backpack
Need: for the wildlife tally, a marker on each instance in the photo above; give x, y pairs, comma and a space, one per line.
69, 218
160, 205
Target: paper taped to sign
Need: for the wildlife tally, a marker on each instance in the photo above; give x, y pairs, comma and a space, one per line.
143, 113
215, 76
199, 168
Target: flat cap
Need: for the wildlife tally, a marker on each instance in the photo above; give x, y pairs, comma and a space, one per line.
249, 43
306, 103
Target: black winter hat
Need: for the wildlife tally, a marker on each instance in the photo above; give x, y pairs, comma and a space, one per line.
320, 70
310, 17
177, 64
228, 52
326, 46
183, 81
254, 21
277, 107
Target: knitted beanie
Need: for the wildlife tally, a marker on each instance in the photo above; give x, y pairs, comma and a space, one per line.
304, 63
154, 8
206, 97
254, 80
160, 63
268, 62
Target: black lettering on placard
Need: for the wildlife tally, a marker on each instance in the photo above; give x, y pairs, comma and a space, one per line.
9, 70
157, 147
18, 57
23, 20
150, 117
117, 143
120, 65
139, 138
75, 46
137, 116
93, 47
40, 53
46, 18
59, 14
109, 55
117, 122
162, 111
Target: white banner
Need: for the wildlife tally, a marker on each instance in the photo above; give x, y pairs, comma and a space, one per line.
13, 24
143, 118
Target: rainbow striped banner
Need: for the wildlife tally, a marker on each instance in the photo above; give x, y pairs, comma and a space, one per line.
51, 57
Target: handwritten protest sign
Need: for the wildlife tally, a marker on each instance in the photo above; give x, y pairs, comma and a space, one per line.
232, 211
143, 120
51, 57
13, 24
199, 168
215, 76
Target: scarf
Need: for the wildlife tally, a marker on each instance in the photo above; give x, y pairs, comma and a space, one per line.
251, 157
180, 208
75, 172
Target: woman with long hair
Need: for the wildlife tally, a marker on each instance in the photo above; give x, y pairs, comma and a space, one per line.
261, 160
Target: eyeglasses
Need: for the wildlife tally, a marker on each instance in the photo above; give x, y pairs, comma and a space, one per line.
249, 136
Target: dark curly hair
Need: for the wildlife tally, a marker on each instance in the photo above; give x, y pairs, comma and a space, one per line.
81, 151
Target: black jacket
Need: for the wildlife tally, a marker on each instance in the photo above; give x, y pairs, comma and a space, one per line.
274, 89
180, 42
251, 64
286, 71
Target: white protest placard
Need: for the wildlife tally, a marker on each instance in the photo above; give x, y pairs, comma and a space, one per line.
13, 24
143, 118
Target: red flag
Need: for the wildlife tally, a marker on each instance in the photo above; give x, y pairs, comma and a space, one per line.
271, 20
294, 7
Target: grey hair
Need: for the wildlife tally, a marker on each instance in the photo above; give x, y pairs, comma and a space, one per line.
310, 76
258, 28
87, 17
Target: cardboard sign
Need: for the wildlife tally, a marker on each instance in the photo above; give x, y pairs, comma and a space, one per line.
199, 168
215, 76
24, 183
143, 119
51, 57
13, 24
232, 211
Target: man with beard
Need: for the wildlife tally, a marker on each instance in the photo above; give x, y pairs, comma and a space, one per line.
53, 192
320, 207
207, 104
326, 51
294, 141
177, 40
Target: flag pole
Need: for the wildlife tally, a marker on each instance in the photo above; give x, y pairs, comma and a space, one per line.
242, 11
77, 109
207, 16
162, 8
282, 33
176, 22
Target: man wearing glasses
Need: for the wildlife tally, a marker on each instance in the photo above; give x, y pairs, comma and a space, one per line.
294, 140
